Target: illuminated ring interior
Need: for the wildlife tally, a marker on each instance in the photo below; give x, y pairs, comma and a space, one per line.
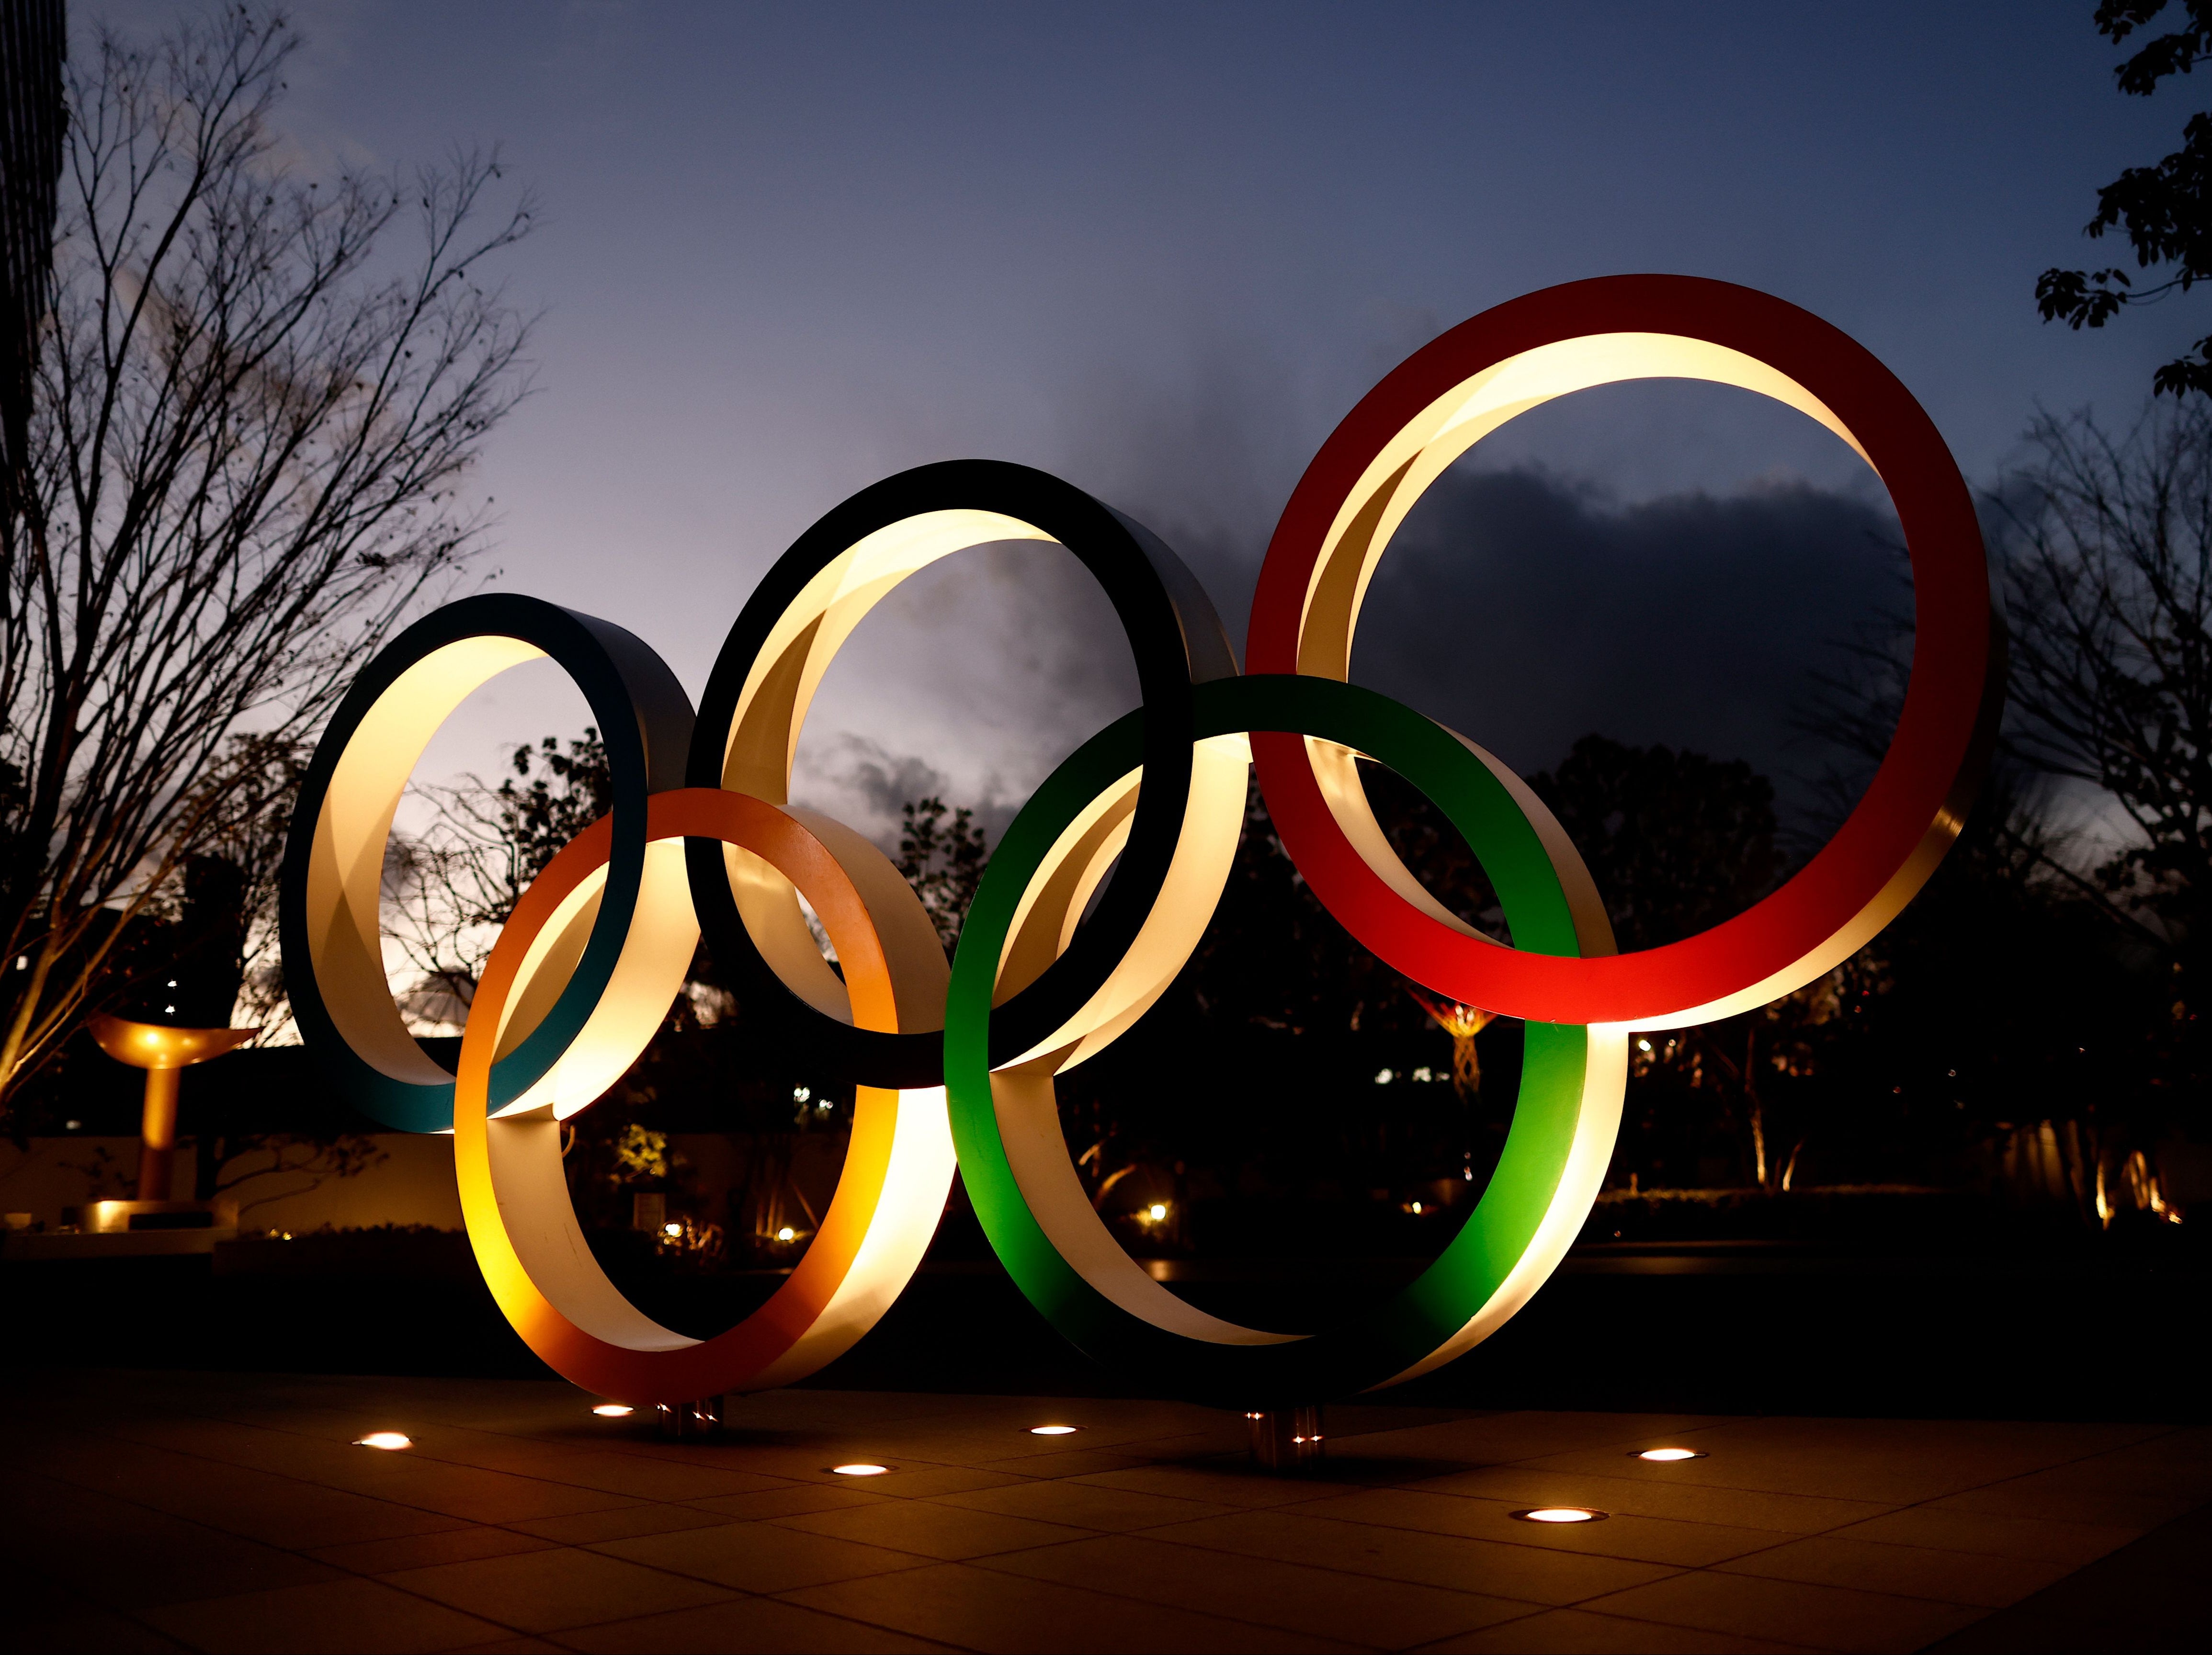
1467, 384
515, 1195
590, 1007
782, 644
1014, 1160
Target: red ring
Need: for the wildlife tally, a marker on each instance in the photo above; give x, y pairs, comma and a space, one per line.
1891, 842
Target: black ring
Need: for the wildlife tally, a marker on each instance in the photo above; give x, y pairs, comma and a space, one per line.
1178, 642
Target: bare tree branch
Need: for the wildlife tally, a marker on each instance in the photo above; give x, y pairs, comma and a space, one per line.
2106, 538
2101, 543
253, 417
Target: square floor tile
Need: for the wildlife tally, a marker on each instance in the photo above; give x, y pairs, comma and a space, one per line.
1528, 1573
334, 1464
749, 1624
1507, 1439
1653, 1496
2072, 1494
851, 1411
1075, 1462
1578, 1631
793, 1501
990, 1610
760, 1556
422, 1551
277, 1509
334, 1617
2177, 1462
753, 1453
639, 1477
546, 1590
771, 1457
909, 1482
1351, 1608
462, 1491
1211, 1484
951, 1448
1644, 1539
121, 1556
1056, 1456
1978, 1578
585, 1528
925, 1528
1888, 1461
1085, 1505
2035, 1539
1824, 1617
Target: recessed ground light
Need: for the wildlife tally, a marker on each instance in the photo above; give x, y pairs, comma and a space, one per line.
383, 1440
1560, 1514
1665, 1455
1052, 1430
859, 1470
613, 1410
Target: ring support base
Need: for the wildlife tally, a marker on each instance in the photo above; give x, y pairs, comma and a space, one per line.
685, 1422
1286, 1440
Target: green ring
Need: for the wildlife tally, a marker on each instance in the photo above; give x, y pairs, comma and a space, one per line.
1372, 1349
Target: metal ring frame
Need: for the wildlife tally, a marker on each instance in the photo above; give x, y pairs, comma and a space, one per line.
898, 1170
1468, 383
963, 1061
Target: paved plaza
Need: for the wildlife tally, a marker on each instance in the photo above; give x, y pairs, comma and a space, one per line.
214, 1512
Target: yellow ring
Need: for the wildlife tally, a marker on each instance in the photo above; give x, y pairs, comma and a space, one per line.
898, 1170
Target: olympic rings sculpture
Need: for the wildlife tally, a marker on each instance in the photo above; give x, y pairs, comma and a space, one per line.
957, 1064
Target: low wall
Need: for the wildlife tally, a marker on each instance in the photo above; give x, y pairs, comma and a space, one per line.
410, 1182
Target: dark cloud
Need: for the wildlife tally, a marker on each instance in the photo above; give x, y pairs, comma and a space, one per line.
1525, 611
1690, 598
886, 782
1204, 455
970, 681
1518, 604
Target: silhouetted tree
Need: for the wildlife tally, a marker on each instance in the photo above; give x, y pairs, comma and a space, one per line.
1676, 841
2106, 542
943, 861
551, 798
455, 882
2166, 210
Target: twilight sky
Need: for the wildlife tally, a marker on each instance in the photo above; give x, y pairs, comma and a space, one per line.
1161, 250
